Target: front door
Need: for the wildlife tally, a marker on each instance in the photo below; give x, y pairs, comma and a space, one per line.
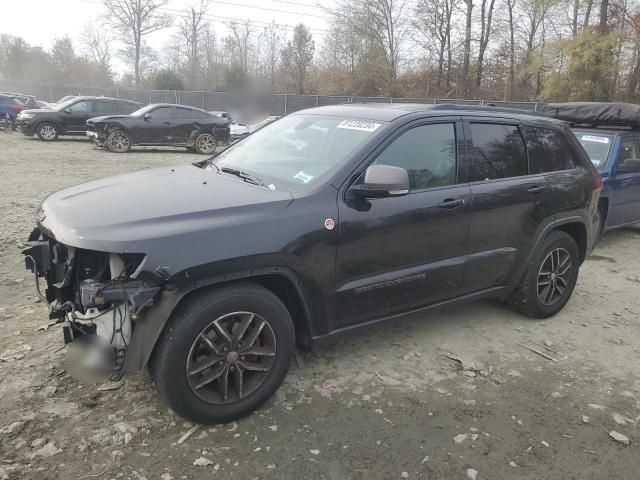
401, 253
509, 204
75, 116
625, 186
157, 128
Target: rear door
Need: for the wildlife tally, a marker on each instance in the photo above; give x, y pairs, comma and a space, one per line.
508, 203
186, 122
625, 206
400, 253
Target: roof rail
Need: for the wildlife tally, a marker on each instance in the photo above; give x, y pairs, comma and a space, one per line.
486, 108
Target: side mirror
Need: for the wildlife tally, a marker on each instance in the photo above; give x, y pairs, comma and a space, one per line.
382, 181
147, 116
630, 165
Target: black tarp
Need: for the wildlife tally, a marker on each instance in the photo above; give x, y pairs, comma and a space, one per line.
594, 113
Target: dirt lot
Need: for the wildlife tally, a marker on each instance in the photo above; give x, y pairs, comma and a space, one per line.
392, 402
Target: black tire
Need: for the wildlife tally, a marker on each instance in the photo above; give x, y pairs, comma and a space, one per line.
47, 131
206, 144
118, 141
528, 297
175, 349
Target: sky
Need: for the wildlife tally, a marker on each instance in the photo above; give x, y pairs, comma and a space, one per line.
44, 20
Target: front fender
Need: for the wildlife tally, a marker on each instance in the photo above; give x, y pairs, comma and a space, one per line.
149, 326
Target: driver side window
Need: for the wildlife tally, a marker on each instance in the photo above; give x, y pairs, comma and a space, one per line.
81, 107
427, 152
162, 112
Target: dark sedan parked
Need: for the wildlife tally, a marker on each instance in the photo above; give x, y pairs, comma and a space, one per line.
70, 117
160, 124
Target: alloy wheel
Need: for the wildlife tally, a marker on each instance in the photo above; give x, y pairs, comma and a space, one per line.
48, 132
231, 357
119, 142
206, 143
554, 276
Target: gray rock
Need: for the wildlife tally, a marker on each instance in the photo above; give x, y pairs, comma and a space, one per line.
13, 428
49, 450
618, 437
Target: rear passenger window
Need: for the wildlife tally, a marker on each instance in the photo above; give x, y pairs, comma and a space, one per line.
498, 152
548, 151
185, 113
104, 107
427, 152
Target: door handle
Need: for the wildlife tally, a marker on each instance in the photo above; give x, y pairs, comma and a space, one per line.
167, 123
537, 189
450, 203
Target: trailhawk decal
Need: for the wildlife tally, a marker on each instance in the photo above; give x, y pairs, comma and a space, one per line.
362, 125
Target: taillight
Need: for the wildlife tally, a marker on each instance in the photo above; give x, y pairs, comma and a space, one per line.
597, 182
16, 108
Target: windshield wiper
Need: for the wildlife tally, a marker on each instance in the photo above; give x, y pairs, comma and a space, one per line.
243, 175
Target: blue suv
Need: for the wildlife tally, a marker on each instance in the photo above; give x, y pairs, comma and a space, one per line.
616, 155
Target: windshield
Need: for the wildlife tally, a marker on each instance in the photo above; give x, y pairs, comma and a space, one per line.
141, 111
597, 146
66, 104
298, 149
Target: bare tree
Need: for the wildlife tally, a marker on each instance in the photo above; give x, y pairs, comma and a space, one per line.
466, 61
190, 31
486, 15
298, 54
433, 19
386, 22
135, 19
272, 39
241, 39
97, 41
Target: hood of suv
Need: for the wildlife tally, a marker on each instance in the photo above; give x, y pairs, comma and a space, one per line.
34, 111
112, 213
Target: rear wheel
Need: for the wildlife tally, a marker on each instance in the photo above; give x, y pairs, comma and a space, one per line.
47, 131
119, 141
206, 144
224, 353
550, 277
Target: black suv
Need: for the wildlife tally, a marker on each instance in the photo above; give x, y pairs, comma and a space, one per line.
70, 117
324, 221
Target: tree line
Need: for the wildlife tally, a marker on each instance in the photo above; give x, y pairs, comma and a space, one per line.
490, 49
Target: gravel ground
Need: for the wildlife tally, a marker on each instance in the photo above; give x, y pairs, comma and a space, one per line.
448, 396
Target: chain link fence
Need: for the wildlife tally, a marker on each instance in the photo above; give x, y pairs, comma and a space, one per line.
263, 103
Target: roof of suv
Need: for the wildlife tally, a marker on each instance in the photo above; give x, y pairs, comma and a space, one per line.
387, 112
88, 97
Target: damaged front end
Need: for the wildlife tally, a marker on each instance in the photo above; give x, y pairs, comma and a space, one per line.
99, 295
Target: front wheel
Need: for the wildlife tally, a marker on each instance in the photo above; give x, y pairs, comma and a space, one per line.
119, 141
224, 353
206, 144
47, 132
550, 277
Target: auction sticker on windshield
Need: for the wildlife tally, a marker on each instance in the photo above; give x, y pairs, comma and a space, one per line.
594, 138
362, 125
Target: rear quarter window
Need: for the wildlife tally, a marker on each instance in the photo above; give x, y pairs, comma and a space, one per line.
548, 151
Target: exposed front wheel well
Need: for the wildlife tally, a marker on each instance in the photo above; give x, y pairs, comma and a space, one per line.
603, 211
579, 233
282, 287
